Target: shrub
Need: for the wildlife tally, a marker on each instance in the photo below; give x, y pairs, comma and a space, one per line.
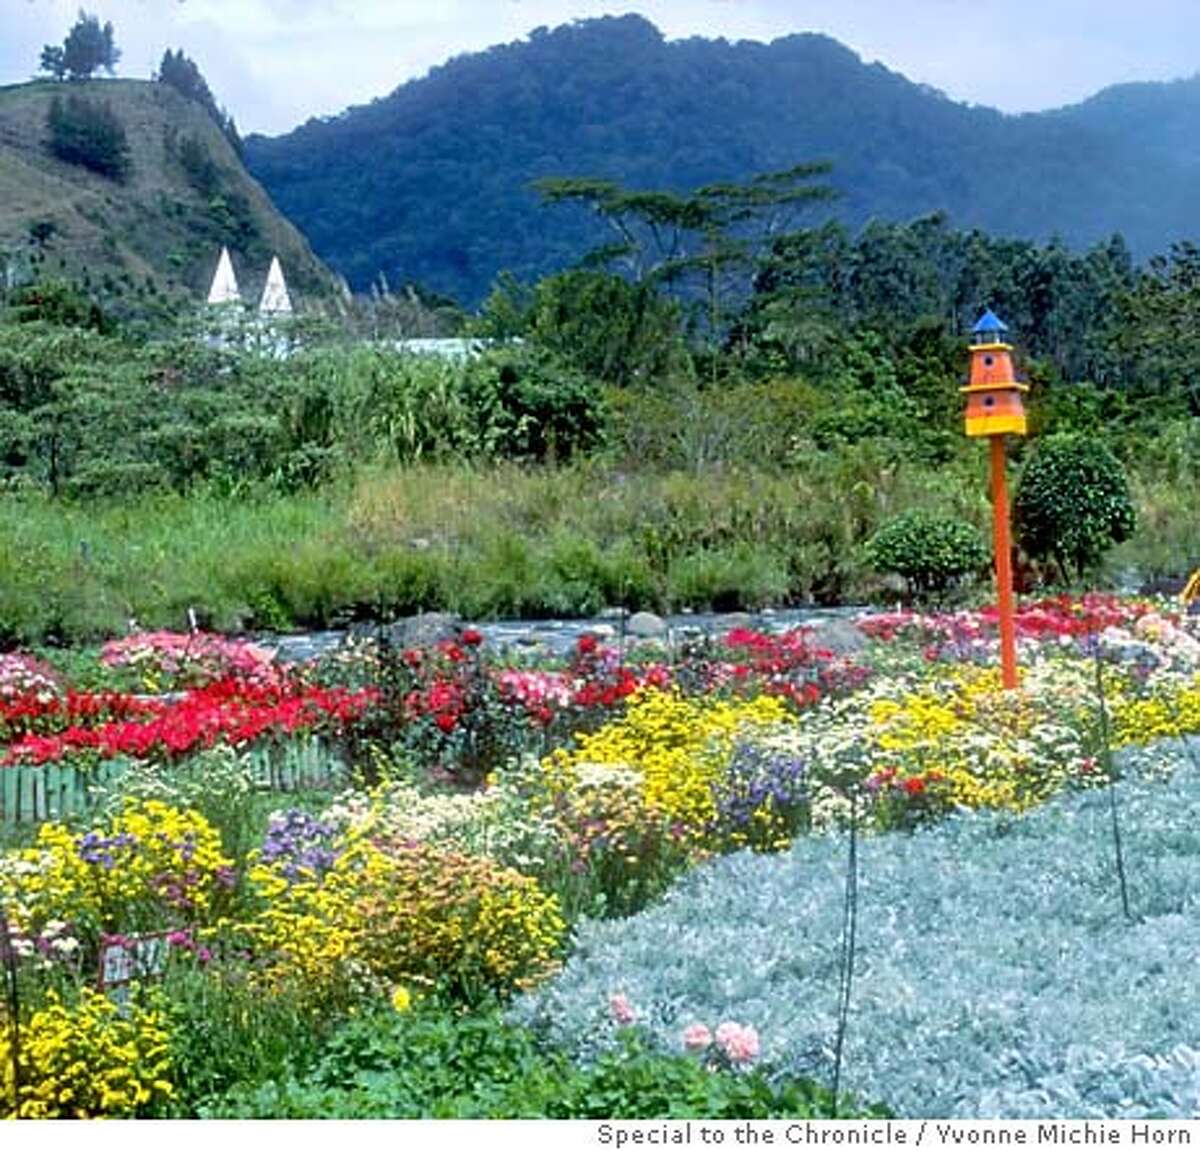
89, 134
604, 326
734, 578
199, 166
927, 550
530, 408
1072, 503
55, 302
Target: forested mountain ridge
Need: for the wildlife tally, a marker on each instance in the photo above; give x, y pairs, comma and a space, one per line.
132, 196
433, 183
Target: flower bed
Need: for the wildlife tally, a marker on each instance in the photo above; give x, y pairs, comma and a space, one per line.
505, 820
56, 742
996, 974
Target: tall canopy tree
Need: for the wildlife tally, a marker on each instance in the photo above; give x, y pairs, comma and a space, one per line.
706, 235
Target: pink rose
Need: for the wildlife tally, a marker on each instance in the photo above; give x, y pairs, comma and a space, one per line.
697, 1037
621, 1010
739, 1043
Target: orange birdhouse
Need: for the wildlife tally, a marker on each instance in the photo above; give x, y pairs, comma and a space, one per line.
994, 406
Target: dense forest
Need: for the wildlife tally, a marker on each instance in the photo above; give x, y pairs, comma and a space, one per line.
434, 184
743, 431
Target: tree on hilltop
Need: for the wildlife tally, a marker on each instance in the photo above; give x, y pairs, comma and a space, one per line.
88, 46
54, 61
180, 72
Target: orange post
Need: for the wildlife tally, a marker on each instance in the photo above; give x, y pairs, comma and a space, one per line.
1004, 588
995, 410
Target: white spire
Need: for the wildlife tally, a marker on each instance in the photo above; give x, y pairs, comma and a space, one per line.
224, 289
275, 299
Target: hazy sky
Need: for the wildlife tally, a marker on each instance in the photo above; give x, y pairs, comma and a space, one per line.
275, 63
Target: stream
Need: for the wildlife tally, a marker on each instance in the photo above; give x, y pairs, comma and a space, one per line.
554, 638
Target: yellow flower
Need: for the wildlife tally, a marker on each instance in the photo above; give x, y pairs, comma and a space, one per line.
408, 913
88, 1059
672, 747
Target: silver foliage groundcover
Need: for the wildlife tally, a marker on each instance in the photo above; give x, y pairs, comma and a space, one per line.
996, 974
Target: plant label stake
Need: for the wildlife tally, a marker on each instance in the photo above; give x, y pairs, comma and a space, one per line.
126, 959
994, 410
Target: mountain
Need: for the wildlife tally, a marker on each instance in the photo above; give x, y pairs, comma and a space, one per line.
150, 230
432, 183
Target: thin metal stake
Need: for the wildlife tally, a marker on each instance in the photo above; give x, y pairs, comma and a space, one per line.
8, 956
1112, 789
846, 965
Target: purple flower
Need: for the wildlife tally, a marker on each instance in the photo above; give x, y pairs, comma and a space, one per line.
756, 777
300, 843
95, 848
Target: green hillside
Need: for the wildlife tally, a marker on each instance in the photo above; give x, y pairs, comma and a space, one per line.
433, 182
152, 237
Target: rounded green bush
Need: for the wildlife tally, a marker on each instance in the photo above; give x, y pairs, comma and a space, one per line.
929, 551
1072, 503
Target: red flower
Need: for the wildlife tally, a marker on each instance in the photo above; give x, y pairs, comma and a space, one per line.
446, 721
471, 637
234, 710
586, 644
914, 786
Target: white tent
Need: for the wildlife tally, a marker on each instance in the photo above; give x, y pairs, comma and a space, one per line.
275, 299
224, 289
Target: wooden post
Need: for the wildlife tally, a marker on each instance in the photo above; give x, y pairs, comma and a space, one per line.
1004, 587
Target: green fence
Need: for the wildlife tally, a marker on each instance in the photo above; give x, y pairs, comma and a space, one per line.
32, 793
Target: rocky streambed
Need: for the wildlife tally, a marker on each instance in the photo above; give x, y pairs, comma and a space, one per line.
554, 638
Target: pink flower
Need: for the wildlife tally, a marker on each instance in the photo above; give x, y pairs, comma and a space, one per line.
697, 1037
739, 1043
621, 1010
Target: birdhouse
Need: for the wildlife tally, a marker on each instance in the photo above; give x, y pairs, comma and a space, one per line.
994, 405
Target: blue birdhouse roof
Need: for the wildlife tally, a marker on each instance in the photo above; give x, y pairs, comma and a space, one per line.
989, 322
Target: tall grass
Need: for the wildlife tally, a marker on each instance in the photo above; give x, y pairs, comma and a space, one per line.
496, 541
